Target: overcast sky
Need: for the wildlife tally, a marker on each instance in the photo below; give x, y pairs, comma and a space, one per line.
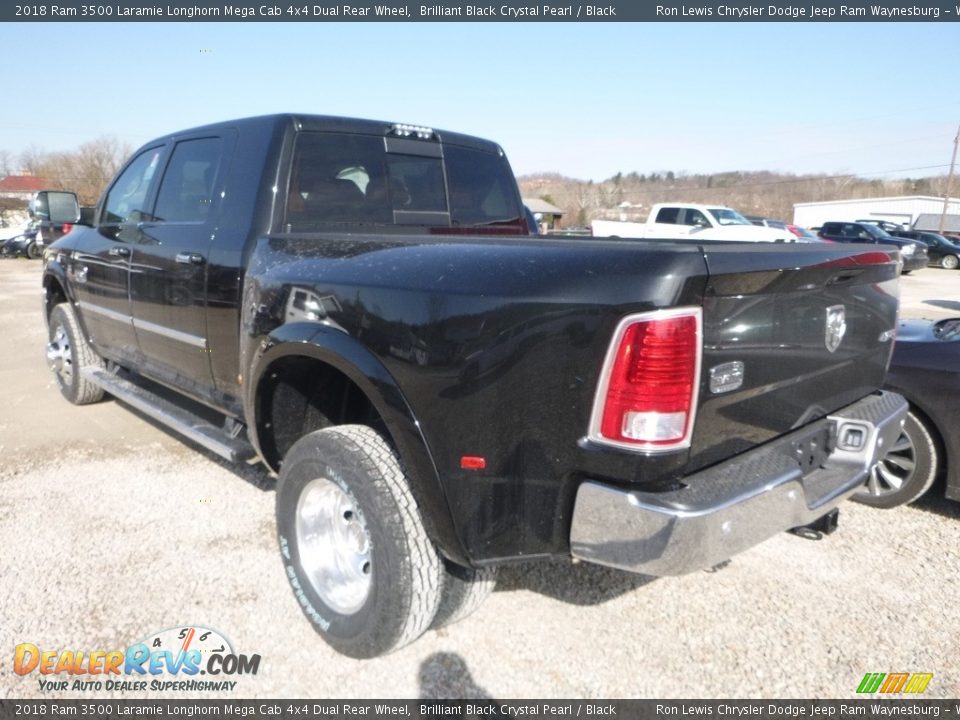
586, 100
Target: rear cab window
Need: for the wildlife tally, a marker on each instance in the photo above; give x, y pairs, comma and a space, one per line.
668, 216
342, 179
186, 190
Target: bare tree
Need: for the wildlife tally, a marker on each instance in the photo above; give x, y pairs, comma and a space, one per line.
86, 170
7, 165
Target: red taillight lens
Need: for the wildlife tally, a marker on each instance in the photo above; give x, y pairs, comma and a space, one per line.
648, 393
67, 227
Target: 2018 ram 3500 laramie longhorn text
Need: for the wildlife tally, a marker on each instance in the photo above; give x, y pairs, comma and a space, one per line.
360, 305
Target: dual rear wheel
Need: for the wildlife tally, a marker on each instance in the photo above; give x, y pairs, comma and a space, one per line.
355, 550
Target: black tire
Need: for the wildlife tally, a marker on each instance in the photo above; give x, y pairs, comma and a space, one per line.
400, 566
906, 272
949, 262
33, 251
462, 591
908, 470
68, 354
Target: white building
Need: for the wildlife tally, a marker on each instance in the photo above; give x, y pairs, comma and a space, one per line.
904, 210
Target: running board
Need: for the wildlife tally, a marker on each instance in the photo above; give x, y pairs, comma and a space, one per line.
176, 418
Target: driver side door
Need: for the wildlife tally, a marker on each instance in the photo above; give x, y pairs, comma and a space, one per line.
100, 271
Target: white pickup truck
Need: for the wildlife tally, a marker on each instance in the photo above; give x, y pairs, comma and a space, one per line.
680, 221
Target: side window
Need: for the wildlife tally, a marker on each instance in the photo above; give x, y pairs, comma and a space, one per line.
853, 231
668, 215
186, 191
127, 198
695, 218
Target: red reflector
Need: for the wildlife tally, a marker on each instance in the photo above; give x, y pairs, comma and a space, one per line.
650, 389
472, 462
873, 257
67, 227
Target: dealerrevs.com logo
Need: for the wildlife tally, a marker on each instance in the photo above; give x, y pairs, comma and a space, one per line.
177, 659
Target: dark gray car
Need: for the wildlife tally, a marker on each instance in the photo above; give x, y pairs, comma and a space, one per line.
941, 250
912, 252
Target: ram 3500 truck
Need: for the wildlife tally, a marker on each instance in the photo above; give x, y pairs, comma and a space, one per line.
359, 304
689, 221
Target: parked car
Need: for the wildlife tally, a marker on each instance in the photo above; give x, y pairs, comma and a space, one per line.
766, 222
803, 235
912, 252
692, 221
925, 369
941, 250
26, 244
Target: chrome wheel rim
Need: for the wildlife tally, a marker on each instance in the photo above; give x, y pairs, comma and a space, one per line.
334, 545
892, 473
949, 262
59, 357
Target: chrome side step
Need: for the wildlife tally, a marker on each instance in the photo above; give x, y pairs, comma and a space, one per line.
176, 418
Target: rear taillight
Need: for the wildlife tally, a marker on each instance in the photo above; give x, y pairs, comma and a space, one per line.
67, 227
647, 395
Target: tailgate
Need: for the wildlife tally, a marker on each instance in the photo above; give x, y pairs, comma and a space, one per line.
791, 333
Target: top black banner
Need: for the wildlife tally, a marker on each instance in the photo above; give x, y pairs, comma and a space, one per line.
499, 11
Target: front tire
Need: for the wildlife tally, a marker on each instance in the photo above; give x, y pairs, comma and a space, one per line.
353, 543
907, 471
33, 251
68, 354
949, 262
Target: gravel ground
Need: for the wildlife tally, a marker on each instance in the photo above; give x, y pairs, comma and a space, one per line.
111, 529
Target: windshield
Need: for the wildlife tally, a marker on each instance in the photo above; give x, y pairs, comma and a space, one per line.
726, 216
878, 232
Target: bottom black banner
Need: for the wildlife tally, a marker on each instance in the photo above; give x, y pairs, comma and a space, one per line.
868, 709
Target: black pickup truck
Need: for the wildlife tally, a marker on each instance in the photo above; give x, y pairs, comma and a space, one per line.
361, 306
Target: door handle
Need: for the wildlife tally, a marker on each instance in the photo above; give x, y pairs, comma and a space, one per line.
189, 258
120, 251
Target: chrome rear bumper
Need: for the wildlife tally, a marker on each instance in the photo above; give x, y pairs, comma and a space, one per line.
730, 507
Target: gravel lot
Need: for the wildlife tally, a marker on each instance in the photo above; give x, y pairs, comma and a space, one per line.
111, 529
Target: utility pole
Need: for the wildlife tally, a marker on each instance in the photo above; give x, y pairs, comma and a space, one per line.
946, 193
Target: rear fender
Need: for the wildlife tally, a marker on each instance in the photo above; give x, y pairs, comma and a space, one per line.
342, 352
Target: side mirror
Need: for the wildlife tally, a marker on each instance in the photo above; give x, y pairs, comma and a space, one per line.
55, 206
